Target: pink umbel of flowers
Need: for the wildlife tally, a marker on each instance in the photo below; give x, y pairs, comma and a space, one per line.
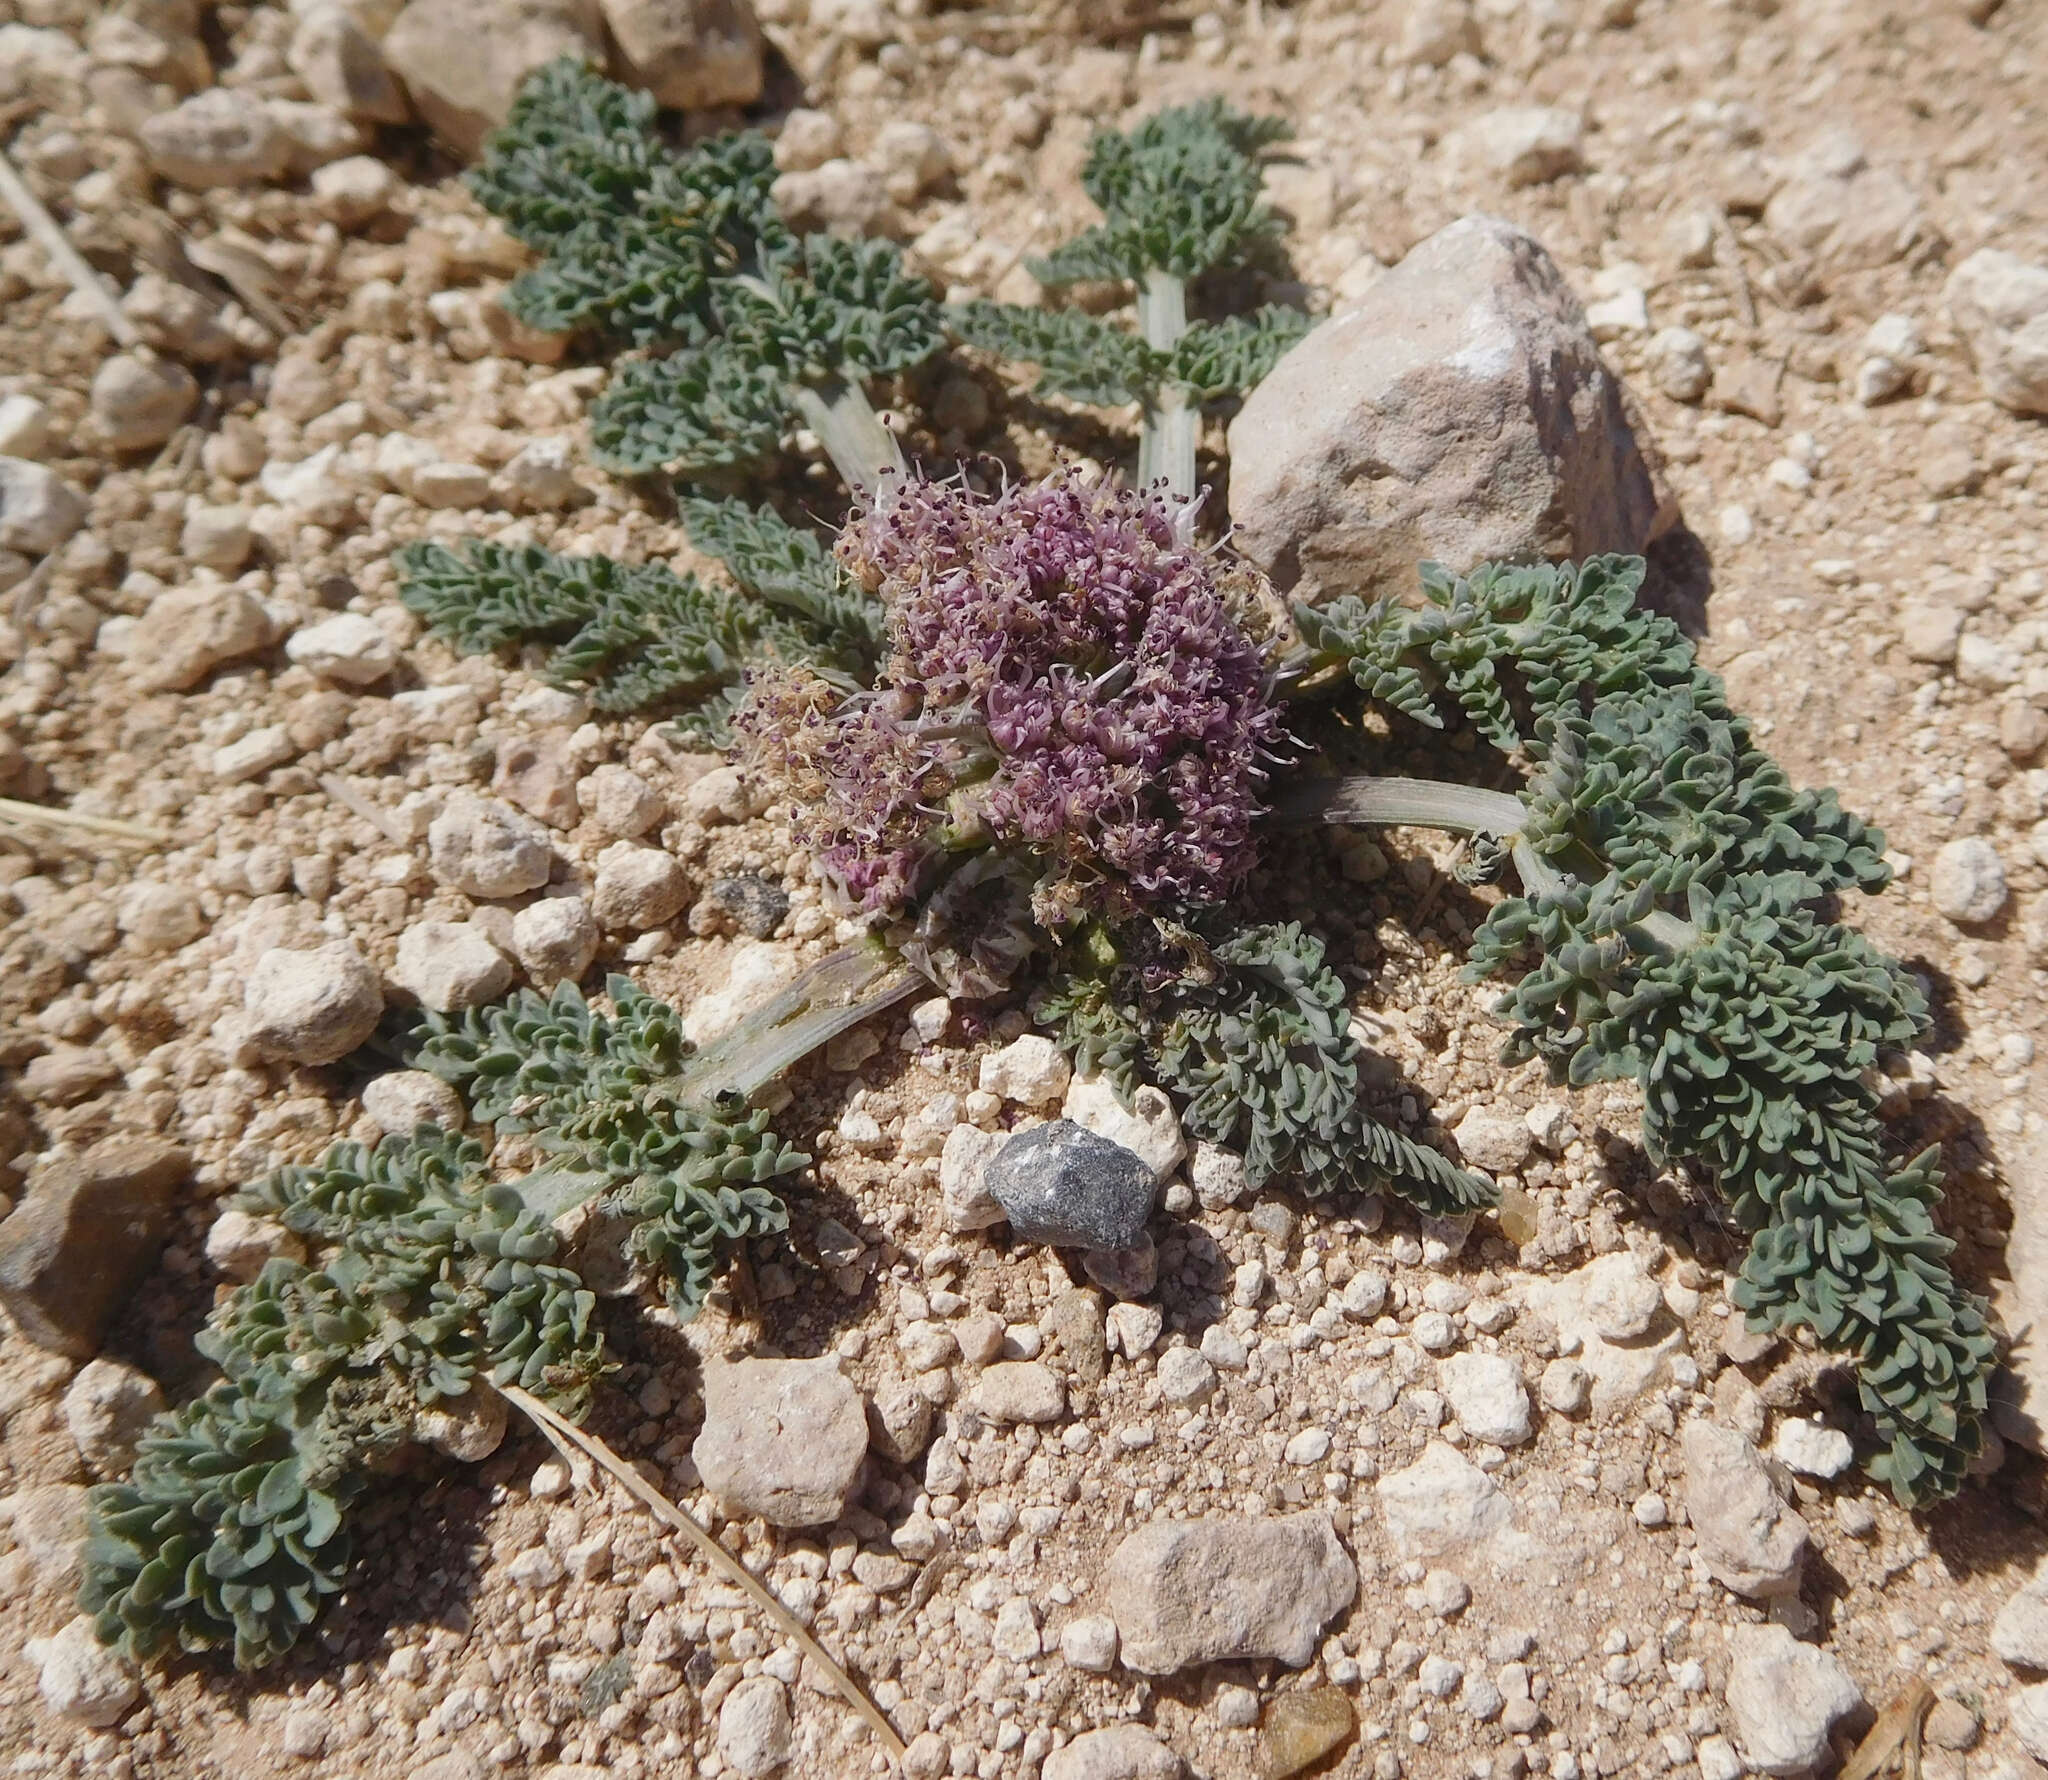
1070, 682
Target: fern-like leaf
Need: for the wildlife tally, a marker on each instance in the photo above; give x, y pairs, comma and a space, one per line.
1249, 1031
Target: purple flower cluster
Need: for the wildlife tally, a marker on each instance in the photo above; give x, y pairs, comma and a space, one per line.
1067, 681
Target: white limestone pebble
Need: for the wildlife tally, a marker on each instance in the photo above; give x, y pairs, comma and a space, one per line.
487, 849
1020, 1391
1967, 882
38, 508
311, 1007
1812, 1449
1089, 1643
1486, 1394
1148, 1127
450, 965
239, 1245
1783, 1696
1750, 1539
555, 939
620, 801
401, 1100
1031, 1071
349, 648
783, 1439
1494, 1139
754, 1732
139, 400
82, 1679
106, 1408
1185, 1377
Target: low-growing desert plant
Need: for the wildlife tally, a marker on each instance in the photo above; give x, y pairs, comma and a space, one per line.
1039, 737
1078, 727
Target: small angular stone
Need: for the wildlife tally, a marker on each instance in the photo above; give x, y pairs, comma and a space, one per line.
403, 1099
637, 888
555, 938
1749, 1538
488, 850
533, 772
450, 965
1487, 1396
1020, 1391
38, 508
190, 631
224, 136
753, 1727
1032, 1071
1811, 1449
1148, 1127
1440, 1504
82, 1679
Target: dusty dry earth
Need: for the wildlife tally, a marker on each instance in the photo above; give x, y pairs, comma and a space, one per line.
1869, 575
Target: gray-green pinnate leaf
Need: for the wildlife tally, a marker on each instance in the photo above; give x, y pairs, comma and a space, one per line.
1249, 1030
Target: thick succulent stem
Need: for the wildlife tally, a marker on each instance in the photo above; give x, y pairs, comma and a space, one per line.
838, 992
1166, 446
862, 449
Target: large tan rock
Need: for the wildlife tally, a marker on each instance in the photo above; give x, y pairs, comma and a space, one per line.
1461, 412
689, 53
463, 60
784, 1439
1203, 1591
2000, 307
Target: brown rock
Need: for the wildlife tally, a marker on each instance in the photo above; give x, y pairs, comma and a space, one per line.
1749, 386
1301, 1728
87, 1231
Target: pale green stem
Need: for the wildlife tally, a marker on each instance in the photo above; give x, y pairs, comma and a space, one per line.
1399, 803
1461, 809
861, 448
837, 992
1166, 445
